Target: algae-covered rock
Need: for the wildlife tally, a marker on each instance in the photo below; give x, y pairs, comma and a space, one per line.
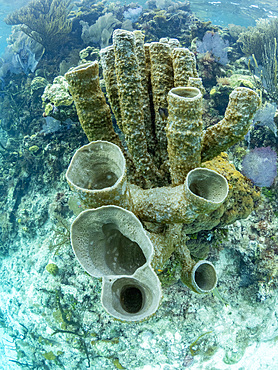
52, 268
57, 93
243, 195
240, 80
49, 356
38, 84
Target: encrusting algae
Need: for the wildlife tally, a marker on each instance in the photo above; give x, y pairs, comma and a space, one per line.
171, 181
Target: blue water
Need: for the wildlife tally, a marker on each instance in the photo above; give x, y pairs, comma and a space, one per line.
224, 12
240, 12
7, 7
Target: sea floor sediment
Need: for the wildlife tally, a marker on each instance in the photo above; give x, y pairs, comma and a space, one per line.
58, 321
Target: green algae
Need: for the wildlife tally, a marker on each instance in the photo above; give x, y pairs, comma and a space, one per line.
52, 268
206, 347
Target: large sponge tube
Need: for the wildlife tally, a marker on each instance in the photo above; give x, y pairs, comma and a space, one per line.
184, 131
92, 109
110, 242
97, 175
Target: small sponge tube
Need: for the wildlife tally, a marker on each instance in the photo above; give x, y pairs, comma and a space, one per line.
202, 278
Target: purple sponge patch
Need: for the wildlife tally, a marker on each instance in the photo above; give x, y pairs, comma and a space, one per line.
260, 166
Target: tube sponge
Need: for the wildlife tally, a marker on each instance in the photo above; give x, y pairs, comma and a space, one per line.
162, 80
110, 242
184, 131
184, 66
239, 114
92, 109
131, 104
97, 175
203, 191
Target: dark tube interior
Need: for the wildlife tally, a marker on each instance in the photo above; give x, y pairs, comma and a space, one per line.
131, 299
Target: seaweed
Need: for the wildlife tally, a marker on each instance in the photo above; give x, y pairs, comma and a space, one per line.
61, 234
254, 39
204, 347
193, 348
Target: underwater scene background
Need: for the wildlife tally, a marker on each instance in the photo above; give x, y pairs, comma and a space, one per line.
155, 246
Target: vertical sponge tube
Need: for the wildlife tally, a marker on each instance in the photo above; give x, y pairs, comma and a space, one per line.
184, 131
131, 103
107, 58
141, 57
92, 109
162, 79
184, 65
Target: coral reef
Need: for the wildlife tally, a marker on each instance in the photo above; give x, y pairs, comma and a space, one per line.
21, 55
175, 199
50, 322
46, 21
166, 20
56, 95
133, 13
265, 117
260, 45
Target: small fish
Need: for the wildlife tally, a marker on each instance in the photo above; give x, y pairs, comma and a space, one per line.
163, 112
